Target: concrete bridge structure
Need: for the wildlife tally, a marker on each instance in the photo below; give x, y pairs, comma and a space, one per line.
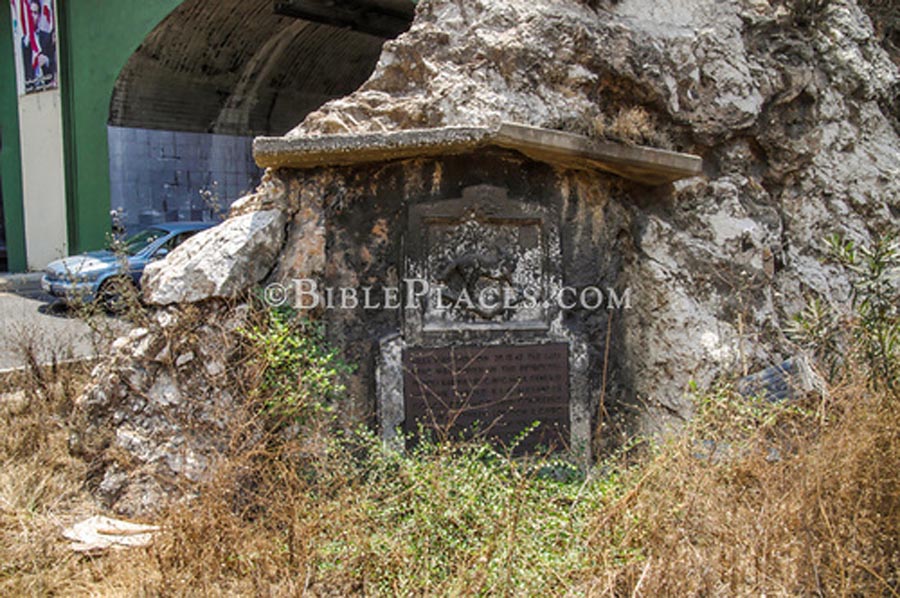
156, 104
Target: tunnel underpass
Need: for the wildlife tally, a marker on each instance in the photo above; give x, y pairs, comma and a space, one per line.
211, 76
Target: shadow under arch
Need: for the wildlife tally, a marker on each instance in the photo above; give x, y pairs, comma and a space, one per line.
209, 77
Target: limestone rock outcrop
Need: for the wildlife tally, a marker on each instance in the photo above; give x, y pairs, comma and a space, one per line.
161, 407
797, 127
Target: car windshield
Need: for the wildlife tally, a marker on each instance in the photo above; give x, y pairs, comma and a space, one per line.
139, 242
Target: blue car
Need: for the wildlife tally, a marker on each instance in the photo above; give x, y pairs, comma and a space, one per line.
104, 275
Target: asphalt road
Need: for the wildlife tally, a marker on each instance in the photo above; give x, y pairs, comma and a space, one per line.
35, 322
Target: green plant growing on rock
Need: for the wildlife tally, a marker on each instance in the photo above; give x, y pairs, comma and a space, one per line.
818, 331
875, 273
299, 375
871, 330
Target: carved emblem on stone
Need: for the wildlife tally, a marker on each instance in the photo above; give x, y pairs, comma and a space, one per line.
487, 255
480, 275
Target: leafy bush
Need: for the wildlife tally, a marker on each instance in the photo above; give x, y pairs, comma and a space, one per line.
868, 333
876, 304
299, 374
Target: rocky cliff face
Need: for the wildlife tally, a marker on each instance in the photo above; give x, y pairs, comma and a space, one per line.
797, 126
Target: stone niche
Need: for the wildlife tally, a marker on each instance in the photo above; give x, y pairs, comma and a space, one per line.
482, 230
484, 349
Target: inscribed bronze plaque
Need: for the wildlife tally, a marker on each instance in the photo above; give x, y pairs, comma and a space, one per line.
497, 391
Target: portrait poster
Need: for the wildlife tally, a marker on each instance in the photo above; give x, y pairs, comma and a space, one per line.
35, 44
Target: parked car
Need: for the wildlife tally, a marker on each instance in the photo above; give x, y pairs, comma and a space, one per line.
106, 275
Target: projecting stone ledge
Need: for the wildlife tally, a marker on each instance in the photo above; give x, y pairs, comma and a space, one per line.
642, 164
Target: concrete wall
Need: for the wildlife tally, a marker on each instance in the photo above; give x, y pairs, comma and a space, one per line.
158, 176
98, 37
43, 177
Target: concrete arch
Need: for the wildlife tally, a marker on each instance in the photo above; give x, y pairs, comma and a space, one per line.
208, 78
201, 67
235, 67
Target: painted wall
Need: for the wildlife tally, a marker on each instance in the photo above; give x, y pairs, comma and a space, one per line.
98, 37
10, 162
43, 177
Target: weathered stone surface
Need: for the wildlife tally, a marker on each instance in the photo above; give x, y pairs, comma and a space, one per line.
796, 130
565, 150
148, 420
220, 262
478, 63
790, 122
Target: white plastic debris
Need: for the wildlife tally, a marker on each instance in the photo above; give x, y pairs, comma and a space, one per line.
100, 533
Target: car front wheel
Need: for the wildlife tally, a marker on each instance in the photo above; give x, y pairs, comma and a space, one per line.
116, 294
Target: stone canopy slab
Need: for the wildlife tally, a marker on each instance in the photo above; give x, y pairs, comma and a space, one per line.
644, 165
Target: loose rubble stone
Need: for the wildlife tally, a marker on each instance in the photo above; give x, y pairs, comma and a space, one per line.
218, 262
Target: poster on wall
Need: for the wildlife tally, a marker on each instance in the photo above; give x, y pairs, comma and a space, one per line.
35, 42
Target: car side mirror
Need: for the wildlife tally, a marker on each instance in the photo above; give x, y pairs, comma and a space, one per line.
161, 253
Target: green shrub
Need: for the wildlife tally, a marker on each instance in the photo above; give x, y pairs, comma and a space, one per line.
868, 333
299, 375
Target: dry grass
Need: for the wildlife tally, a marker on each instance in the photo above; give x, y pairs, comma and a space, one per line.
633, 124
808, 503
753, 499
794, 500
40, 484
